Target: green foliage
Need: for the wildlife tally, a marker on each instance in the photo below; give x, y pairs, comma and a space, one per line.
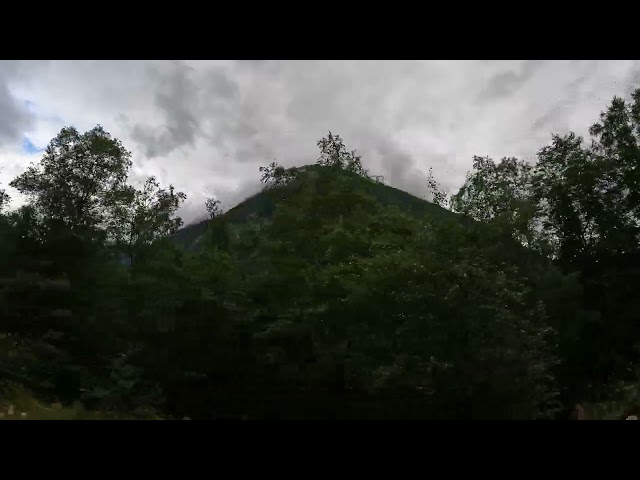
578, 205
438, 195
4, 199
345, 314
214, 208
261, 206
333, 153
274, 175
78, 180
63, 297
24, 406
328, 294
144, 216
500, 194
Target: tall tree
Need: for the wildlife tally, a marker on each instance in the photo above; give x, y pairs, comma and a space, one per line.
275, 175
78, 180
498, 193
214, 208
334, 153
579, 205
4, 199
436, 192
144, 216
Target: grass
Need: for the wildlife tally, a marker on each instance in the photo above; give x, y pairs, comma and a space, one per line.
17, 403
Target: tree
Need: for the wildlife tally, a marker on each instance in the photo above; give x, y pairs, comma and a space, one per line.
78, 180
464, 331
616, 151
578, 205
319, 300
589, 195
214, 208
274, 175
141, 217
496, 192
438, 195
333, 153
352, 300
4, 199
73, 338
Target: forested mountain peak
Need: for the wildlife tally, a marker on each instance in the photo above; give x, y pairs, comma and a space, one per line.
329, 294
261, 205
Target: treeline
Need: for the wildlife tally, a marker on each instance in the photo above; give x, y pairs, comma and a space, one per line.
330, 303
579, 206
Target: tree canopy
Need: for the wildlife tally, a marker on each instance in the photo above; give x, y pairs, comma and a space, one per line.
329, 294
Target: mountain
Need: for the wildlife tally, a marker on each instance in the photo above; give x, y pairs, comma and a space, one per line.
262, 204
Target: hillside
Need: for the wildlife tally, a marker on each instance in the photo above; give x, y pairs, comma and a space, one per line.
327, 294
262, 204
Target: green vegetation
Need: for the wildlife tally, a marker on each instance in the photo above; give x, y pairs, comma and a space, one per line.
328, 294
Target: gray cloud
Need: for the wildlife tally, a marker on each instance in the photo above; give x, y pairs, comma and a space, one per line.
556, 118
506, 83
207, 126
15, 117
177, 99
632, 80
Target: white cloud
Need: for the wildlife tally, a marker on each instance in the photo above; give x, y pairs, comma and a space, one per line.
206, 126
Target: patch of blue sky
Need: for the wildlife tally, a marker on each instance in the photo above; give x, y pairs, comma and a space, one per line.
29, 147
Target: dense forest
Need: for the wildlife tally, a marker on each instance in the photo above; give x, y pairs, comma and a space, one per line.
329, 294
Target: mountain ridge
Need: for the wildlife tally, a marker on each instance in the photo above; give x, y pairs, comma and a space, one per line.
262, 203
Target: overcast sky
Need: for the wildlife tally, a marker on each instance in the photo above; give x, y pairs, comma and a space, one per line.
206, 126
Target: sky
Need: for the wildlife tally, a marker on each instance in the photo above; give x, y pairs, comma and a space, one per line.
207, 126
